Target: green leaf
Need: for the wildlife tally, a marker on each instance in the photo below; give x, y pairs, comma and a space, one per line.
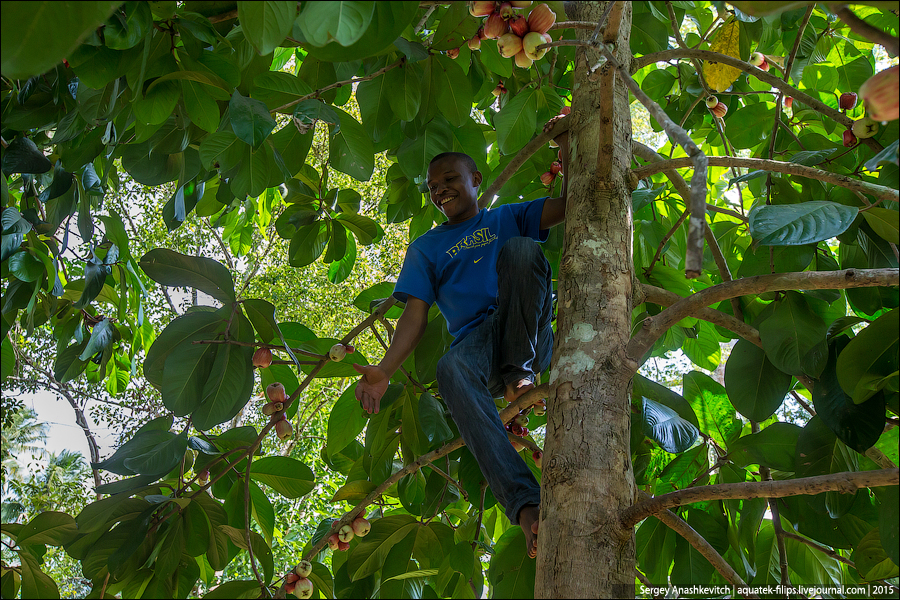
345, 422
885, 222
158, 103
870, 357
643, 387
663, 425
289, 477
432, 420
756, 388
774, 447
415, 154
23, 156
26, 267
454, 92
262, 315
35, 39
174, 269
160, 458
887, 521
341, 22
405, 85
512, 571
308, 244
227, 387
351, 150
238, 589
101, 336
516, 122
790, 333
388, 22
185, 373
366, 230
857, 425
193, 325
871, 561
250, 119
369, 555
266, 24
50, 527
715, 414
277, 88
200, 106
798, 224
655, 548
748, 125
35, 583
819, 452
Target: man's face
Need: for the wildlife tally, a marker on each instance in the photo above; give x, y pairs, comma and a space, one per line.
454, 188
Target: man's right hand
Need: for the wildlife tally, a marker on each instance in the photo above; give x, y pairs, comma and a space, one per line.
371, 387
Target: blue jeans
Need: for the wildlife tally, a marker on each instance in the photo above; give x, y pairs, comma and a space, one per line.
512, 343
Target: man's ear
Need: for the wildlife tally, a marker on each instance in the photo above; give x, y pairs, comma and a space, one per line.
476, 178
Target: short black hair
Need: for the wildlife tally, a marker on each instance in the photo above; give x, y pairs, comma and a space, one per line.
465, 158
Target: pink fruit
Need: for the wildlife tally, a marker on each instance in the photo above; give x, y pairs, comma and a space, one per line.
339, 351
788, 102
537, 455
481, 9
270, 408
879, 95
547, 178
304, 588
847, 101
283, 429
361, 526
507, 11
291, 578
275, 392
495, 26
849, 139
541, 19
509, 44
758, 59
521, 420
343, 546
262, 358
499, 90
530, 44
719, 110
474, 43
518, 25
333, 541
453, 53
303, 569
516, 429
556, 167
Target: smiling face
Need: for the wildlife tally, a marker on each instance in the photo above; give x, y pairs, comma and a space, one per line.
453, 187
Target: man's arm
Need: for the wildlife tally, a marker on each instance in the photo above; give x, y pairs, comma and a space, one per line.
375, 378
555, 208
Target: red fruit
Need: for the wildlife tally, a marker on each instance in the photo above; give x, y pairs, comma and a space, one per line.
349, 349
719, 110
847, 101
333, 541
879, 95
865, 127
711, 101
203, 477
788, 102
304, 588
565, 110
519, 446
541, 19
275, 392
507, 11
291, 578
474, 43
480, 33
509, 44
346, 533
758, 59
262, 358
303, 569
453, 53
849, 139
289, 588
283, 429
547, 178
361, 526
518, 25
495, 26
516, 429
537, 455
66, 63
499, 90
556, 167
524, 432
481, 9
523, 60
343, 546
521, 4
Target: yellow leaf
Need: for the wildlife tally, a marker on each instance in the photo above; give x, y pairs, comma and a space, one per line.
719, 76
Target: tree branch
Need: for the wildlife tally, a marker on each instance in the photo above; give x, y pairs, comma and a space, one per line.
863, 29
805, 280
559, 127
696, 540
846, 482
880, 192
338, 84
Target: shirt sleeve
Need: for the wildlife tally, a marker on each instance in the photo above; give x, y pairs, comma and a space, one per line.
528, 218
417, 277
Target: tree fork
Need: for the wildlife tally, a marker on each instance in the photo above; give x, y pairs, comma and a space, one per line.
587, 474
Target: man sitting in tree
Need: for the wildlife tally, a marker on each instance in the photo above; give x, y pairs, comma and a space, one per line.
493, 285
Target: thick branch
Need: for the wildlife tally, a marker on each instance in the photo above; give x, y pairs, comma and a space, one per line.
846, 482
863, 29
805, 280
664, 297
559, 127
696, 540
880, 192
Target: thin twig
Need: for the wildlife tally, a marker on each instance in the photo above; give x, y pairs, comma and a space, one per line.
338, 84
863, 29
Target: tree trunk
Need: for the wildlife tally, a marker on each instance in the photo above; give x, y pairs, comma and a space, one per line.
587, 480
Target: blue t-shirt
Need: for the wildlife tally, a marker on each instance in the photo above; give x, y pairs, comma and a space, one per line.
456, 265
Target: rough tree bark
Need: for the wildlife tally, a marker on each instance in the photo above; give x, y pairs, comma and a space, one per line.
583, 551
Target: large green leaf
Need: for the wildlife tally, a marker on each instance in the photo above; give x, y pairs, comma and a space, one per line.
517, 121
50, 527
225, 389
186, 326
715, 414
512, 571
250, 119
342, 22
870, 359
666, 427
790, 333
288, 476
405, 85
184, 376
885, 222
415, 154
871, 561
690, 567
774, 447
266, 24
388, 22
857, 425
160, 458
345, 422
369, 555
35, 39
351, 150
819, 452
35, 583
308, 244
453, 90
798, 224
174, 269
755, 386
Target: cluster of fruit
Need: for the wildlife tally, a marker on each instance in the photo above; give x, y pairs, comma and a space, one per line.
518, 426
548, 177
517, 35
274, 408
296, 581
341, 540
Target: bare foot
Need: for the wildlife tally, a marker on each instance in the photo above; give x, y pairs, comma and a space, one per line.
529, 518
514, 390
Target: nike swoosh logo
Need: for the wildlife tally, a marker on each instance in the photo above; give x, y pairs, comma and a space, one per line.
477, 259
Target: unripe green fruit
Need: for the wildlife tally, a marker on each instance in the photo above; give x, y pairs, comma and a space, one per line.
337, 352
346, 533
711, 101
865, 128
303, 568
